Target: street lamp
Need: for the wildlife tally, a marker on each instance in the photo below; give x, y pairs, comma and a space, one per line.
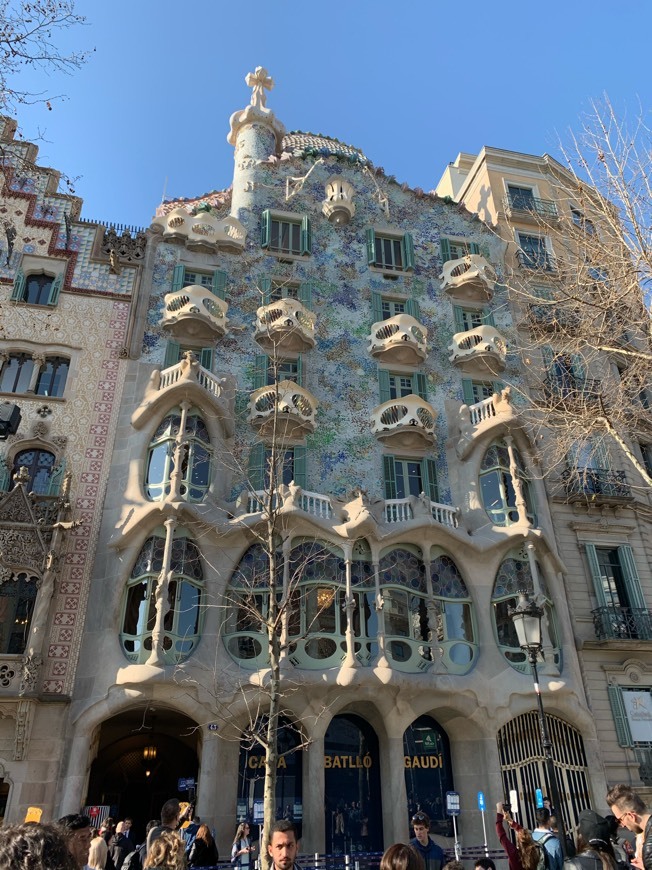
526, 617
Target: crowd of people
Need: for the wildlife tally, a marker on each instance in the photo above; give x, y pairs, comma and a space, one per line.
175, 842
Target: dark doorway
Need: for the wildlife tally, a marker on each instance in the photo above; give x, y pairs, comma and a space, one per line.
354, 819
142, 755
428, 773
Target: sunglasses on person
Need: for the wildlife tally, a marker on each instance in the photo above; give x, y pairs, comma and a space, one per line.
419, 819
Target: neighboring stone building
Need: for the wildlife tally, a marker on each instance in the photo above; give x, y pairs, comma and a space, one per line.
600, 506
409, 466
64, 327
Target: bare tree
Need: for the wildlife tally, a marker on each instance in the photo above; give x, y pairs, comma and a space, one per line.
28, 29
582, 299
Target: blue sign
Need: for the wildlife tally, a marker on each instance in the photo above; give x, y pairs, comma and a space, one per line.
452, 803
481, 803
539, 798
213, 726
186, 783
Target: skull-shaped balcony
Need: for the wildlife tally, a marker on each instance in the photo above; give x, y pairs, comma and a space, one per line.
469, 279
406, 423
480, 351
285, 325
400, 340
203, 231
195, 312
338, 206
283, 409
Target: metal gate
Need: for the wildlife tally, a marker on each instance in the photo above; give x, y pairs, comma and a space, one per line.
523, 766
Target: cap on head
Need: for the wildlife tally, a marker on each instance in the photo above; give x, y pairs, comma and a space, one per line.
593, 827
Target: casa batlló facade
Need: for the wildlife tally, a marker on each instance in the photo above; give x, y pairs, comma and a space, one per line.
358, 329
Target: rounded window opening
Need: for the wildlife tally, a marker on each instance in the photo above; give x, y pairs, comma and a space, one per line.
498, 489
182, 438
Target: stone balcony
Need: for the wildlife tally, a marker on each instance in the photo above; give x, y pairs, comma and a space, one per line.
474, 421
406, 423
201, 232
469, 279
195, 312
285, 325
400, 340
284, 409
482, 350
188, 380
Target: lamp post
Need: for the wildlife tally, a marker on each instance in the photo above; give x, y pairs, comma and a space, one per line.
526, 617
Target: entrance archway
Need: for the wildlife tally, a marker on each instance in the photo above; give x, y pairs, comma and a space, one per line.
428, 772
354, 818
142, 755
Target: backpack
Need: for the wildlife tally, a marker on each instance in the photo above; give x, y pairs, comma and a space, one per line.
133, 861
544, 856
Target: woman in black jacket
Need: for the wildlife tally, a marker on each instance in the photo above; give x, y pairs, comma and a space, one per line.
203, 852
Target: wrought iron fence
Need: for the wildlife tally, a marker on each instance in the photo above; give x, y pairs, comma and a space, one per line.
520, 202
597, 481
613, 622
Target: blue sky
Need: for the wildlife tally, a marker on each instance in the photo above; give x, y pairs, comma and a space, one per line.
410, 83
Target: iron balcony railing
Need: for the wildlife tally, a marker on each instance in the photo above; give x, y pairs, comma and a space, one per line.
613, 622
597, 481
540, 260
554, 316
644, 758
569, 388
545, 208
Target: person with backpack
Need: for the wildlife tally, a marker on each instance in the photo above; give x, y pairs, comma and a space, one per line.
544, 837
594, 848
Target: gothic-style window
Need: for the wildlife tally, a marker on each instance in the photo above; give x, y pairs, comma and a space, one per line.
52, 377
196, 462
17, 597
452, 612
405, 599
16, 373
514, 575
40, 469
497, 486
183, 607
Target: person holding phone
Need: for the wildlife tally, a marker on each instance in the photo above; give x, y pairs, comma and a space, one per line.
242, 850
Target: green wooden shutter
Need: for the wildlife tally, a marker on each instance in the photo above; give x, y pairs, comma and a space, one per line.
467, 391
408, 252
484, 252
621, 724
445, 250
300, 466
256, 469
548, 357
579, 368
376, 306
389, 473
219, 284
172, 350
474, 248
305, 294
488, 318
596, 575
429, 473
300, 370
265, 285
206, 358
265, 228
412, 308
498, 386
306, 236
55, 290
458, 314
260, 370
371, 247
18, 290
56, 478
383, 385
178, 277
5, 476
630, 573
420, 385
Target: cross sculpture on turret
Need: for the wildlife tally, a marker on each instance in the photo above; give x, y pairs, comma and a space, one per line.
260, 81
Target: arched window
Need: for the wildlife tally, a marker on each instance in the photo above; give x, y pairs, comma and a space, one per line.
17, 597
497, 487
514, 575
196, 464
405, 608
16, 373
40, 470
184, 612
453, 620
52, 377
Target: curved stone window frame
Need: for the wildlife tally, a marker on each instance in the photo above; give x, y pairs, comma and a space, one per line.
405, 597
514, 574
197, 465
455, 630
497, 488
41, 465
17, 600
183, 623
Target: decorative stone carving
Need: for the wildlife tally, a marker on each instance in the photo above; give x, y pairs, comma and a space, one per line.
31, 667
261, 81
338, 206
60, 440
24, 717
124, 247
211, 233
7, 674
21, 548
44, 411
257, 111
5, 574
40, 429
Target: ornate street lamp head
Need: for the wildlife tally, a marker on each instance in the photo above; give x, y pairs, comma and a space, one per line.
526, 617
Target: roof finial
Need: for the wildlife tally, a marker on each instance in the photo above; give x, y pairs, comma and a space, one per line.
261, 81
